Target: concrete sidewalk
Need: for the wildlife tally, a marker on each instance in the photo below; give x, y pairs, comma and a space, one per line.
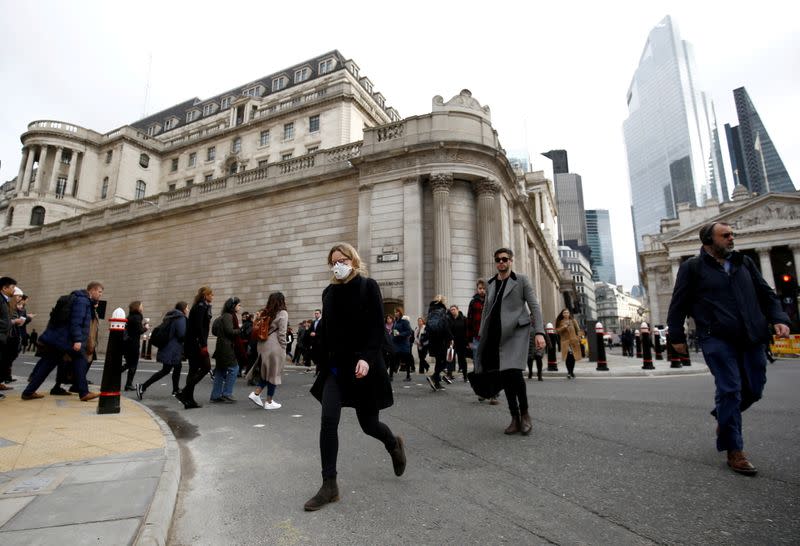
72, 476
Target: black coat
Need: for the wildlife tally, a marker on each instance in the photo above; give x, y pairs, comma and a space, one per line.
197, 328
458, 327
352, 329
134, 329
735, 307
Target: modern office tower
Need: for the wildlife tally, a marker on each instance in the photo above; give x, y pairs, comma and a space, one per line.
559, 159
754, 159
598, 236
571, 213
669, 136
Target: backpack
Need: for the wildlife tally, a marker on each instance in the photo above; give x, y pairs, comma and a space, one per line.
60, 313
160, 334
261, 327
437, 322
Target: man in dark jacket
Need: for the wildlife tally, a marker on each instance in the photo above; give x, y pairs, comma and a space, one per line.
402, 334
731, 305
7, 286
437, 329
69, 340
458, 327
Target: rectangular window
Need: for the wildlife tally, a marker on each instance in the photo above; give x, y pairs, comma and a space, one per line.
263, 139
236, 146
252, 92
288, 131
225, 102
104, 189
313, 124
263, 163
109, 155
208, 109
211, 153
286, 156
192, 115
325, 66
66, 157
279, 83
302, 74
192, 159
174, 166
189, 182
61, 186
169, 124
171, 187
209, 177
152, 130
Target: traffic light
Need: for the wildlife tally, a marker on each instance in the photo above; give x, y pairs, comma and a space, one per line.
787, 278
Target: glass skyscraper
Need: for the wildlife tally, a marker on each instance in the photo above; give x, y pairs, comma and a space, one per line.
754, 159
671, 136
598, 235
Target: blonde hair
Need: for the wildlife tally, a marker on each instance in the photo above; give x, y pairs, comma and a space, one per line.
350, 252
440, 299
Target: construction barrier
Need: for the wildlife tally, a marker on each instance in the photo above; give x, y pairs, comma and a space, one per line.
786, 346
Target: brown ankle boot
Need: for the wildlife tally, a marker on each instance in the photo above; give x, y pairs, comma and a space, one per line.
399, 457
329, 492
525, 423
738, 462
514, 427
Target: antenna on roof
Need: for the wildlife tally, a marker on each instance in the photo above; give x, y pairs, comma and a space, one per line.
147, 84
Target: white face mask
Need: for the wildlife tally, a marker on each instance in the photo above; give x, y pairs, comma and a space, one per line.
341, 271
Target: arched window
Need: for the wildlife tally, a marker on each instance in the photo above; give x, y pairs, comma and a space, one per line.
141, 187
37, 216
144, 160
10, 216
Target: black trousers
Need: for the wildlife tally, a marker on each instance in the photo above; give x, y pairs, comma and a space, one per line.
165, 370
516, 391
439, 367
539, 366
570, 364
131, 355
199, 367
329, 429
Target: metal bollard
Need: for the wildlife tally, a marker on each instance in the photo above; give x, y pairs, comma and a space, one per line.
602, 365
552, 363
638, 342
674, 359
647, 345
657, 343
109, 386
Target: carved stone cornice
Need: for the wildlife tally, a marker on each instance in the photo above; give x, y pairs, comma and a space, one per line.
486, 186
441, 182
366, 187
410, 180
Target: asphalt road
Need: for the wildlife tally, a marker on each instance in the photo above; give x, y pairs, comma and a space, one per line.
609, 461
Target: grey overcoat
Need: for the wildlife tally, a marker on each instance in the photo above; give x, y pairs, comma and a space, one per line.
515, 320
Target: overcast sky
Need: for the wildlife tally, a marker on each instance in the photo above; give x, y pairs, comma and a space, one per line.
554, 76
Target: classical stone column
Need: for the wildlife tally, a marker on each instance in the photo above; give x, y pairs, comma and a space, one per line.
73, 165
766, 265
652, 295
413, 260
364, 243
40, 178
675, 264
521, 248
54, 175
442, 260
21, 172
488, 235
796, 259
28, 171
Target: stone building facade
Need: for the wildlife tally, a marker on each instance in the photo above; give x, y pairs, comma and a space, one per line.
766, 227
425, 199
617, 309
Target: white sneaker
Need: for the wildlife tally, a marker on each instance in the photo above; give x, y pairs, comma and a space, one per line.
271, 405
256, 399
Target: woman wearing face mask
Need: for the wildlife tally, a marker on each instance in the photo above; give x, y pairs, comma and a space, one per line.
352, 372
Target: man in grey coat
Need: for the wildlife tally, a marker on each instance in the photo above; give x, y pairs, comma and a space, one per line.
505, 333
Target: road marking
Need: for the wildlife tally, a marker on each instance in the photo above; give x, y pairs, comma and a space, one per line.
259, 426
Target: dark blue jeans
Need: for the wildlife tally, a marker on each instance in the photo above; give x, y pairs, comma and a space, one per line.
739, 375
48, 363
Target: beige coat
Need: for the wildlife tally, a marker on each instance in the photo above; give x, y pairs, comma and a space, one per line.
569, 332
272, 352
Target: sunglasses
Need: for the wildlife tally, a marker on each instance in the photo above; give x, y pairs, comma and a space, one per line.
503, 259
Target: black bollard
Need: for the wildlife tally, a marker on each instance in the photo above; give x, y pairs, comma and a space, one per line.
149, 353
552, 362
602, 365
110, 385
647, 345
638, 341
685, 361
674, 359
657, 344
143, 353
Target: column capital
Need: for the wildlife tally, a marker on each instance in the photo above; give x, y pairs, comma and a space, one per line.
763, 249
366, 187
441, 182
486, 186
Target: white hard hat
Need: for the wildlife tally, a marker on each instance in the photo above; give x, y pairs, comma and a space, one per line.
18, 291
